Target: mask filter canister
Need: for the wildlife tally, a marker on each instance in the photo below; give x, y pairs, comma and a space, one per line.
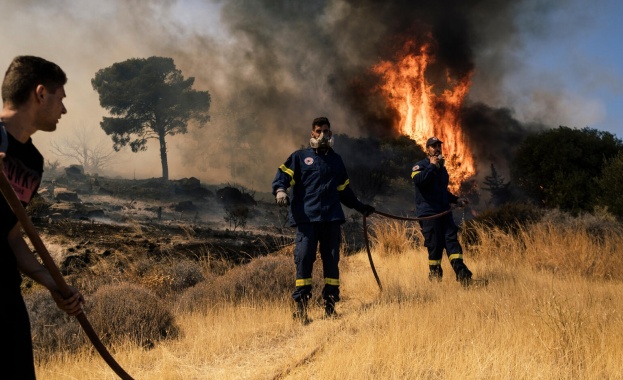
321, 142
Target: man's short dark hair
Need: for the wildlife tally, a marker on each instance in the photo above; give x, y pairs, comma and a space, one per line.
25, 73
320, 121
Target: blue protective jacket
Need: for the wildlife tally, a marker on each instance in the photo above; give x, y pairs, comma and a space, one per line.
431, 188
319, 183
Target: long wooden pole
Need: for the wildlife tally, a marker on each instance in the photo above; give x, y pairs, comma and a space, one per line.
29, 228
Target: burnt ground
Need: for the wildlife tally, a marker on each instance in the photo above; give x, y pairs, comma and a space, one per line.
79, 216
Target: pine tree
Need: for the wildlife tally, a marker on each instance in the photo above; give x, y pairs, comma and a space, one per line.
499, 190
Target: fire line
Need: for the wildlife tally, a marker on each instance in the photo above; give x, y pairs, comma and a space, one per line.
423, 112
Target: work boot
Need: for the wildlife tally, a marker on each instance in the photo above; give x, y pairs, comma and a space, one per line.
464, 276
329, 309
300, 314
435, 274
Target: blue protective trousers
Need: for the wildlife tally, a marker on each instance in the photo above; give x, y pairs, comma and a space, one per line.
325, 237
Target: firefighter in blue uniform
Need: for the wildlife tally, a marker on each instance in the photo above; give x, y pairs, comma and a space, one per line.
318, 182
432, 197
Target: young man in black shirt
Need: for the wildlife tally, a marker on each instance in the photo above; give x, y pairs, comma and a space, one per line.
32, 95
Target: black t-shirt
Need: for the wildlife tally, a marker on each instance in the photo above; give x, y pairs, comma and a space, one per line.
23, 167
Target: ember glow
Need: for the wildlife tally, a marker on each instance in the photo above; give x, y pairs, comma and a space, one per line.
425, 110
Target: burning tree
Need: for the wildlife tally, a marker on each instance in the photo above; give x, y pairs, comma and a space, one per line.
425, 107
148, 99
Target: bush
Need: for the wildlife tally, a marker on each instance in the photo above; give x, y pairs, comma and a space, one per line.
265, 278
169, 276
52, 329
236, 216
599, 226
38, 206
268, 277
116, 312
508, 218
560, 168
611, 185
128, 311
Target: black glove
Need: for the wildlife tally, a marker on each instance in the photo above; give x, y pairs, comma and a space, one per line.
366, 210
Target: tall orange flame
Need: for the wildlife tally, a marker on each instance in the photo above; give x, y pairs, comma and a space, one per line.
423, 113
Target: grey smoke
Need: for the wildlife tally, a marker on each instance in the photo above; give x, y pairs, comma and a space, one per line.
273, 66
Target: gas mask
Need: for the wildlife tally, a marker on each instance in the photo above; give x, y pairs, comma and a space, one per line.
321, 142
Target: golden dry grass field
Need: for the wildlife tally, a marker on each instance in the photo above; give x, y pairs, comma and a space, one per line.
552, 309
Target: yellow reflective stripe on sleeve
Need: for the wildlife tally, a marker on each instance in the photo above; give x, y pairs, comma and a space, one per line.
434, 262
343, 186
413, 174
286, 170
332, 281
289, 172
303, 281
455, 256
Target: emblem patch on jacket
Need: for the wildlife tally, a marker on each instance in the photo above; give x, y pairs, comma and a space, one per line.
308, 160
415, 168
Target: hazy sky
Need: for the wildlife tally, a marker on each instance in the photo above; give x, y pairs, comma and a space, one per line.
272, 66
578, 62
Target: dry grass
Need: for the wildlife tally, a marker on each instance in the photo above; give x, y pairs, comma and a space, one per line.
552, 310
392, 237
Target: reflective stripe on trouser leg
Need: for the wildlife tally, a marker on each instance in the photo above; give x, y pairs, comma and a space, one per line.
304, 257
330, 237
455, 258
303, 281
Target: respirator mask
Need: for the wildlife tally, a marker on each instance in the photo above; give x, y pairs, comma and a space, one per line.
322, 142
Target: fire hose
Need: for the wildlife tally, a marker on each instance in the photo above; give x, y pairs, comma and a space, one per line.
366, 239
18, 209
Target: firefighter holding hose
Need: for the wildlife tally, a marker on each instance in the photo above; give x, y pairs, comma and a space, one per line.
318, 184
432, 197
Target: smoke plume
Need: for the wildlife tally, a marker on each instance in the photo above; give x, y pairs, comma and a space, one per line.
272, 66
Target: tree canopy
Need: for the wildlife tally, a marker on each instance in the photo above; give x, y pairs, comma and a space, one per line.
559, 168
611, 185
148, 99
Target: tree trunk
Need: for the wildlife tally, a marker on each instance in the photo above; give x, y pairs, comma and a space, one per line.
163, 157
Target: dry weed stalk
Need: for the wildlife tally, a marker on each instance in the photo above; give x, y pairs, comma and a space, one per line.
393, 237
